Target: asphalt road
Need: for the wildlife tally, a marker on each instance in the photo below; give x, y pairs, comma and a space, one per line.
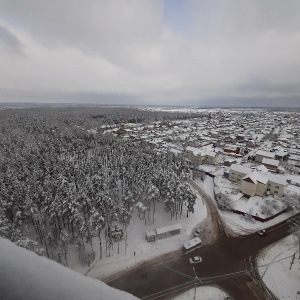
229, 263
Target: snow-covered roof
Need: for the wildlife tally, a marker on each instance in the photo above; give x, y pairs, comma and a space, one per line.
150, 233
268, 161
277, 179
212, 154
256, 177
168, 228
194, 150
241, 169
281, 153
262, 168
265, 153
230, 147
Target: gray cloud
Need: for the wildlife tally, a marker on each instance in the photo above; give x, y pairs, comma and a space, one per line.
228, 50
9, 42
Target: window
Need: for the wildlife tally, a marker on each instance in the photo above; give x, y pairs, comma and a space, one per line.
233, 173
277, 187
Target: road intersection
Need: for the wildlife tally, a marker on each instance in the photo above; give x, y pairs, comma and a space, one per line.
229, 262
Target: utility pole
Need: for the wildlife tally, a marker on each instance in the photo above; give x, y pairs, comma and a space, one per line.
196, 279
295, 227
292, 260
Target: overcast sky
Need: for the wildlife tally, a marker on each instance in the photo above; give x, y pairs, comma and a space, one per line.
170, 52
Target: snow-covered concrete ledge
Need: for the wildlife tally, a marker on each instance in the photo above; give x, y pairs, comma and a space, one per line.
25, 275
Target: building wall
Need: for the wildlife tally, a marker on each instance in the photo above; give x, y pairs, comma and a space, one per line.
236, 176
260, 189
209, 160
167, 234
248, 188
258, 158
271, 167
275, 188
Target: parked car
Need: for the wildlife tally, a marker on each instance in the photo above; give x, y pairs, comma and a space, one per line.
198, 231
195, 260
262, 232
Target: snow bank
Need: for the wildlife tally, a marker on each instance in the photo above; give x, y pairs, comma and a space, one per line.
276, 270
203, 293
25, 275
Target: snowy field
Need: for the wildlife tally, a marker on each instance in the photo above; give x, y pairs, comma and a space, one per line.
276, 270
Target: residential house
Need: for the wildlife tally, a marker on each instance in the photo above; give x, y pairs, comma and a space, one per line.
260, 154
262, 169
271, 164
257, 183
199, 156
209, 158
229, 139
193, 154
232, 149
281, 155
276, 185
254, 184
237, 172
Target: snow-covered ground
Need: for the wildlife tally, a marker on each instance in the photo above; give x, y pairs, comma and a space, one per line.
276, 270
137, 248
203, 293
262, 207
24, 276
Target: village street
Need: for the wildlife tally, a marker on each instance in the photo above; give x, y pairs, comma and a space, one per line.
229, 262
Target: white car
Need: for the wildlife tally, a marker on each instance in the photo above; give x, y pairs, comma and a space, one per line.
195, 260
262, 232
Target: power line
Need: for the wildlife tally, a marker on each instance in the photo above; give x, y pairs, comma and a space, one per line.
206, 279
169, 291
188, 276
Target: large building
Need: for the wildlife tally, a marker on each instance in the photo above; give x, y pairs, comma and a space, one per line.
271, 164
276, 185
200, 156
237, 172
253, 182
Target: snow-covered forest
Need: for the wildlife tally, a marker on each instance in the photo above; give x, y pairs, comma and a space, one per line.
60, 184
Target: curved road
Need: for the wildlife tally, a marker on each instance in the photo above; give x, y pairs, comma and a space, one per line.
229, 262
